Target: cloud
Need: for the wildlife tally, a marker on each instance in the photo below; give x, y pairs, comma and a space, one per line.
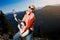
23, 5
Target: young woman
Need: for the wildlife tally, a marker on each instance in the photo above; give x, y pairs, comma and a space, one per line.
29, 20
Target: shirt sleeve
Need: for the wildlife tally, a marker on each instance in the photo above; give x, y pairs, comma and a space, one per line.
29, 23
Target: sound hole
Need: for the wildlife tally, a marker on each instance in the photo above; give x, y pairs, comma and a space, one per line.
22, 24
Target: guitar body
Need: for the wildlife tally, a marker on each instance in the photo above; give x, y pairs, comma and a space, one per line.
22, 25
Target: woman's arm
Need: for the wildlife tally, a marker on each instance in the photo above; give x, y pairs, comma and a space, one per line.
29, 22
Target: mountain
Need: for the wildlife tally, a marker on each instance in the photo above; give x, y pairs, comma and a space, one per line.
5, 26
48, 20
10, 18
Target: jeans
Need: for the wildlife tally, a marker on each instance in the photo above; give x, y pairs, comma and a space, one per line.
17, 35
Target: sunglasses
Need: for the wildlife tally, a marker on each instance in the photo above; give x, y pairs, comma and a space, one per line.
31, 8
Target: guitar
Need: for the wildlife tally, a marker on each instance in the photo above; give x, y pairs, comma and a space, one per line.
21, 25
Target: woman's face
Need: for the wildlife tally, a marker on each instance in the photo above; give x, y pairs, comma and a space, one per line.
31, 9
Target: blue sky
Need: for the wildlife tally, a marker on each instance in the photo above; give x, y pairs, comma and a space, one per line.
7, 2
21, 5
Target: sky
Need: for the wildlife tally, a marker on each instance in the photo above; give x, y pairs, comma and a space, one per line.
20, 5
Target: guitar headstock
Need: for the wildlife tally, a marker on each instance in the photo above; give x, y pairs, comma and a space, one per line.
14, 11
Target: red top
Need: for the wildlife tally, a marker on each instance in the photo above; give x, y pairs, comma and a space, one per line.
29, 20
